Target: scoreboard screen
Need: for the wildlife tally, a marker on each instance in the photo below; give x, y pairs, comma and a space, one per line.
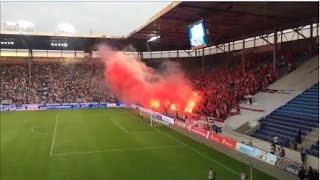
197, 35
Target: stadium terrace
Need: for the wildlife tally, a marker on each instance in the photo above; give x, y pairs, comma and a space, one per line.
216, 90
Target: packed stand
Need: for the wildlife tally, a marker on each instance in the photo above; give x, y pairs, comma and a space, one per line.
14, 81
54, 83
223, 89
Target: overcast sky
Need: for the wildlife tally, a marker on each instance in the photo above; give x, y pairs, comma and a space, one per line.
110, 18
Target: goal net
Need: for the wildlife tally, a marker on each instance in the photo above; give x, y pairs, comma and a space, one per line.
156, 120
151, 117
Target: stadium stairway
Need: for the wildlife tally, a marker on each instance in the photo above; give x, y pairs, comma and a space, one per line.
310, 138
311, 141
314, 149
301, 113
289, 86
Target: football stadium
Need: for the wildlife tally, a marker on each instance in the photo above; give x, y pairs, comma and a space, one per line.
201, 90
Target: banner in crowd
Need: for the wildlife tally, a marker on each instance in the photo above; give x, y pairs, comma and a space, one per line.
288, 165
58, 106
257, 153
228, 142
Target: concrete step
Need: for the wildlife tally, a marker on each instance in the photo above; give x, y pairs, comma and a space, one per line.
306, 144
315, 136
310, 138
315, 132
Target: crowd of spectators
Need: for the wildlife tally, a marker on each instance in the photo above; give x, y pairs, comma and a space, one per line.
53, 83
13, 82
223, 89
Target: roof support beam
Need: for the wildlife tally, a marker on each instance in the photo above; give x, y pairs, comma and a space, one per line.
230, 11
166, 33
221, 48
264, 38
184, 20
275, 50
310, 39
188, 12
189, 52
243, 47
317, 30
297, 31
175, 19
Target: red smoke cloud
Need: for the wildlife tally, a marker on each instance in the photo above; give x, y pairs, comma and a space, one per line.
134, 82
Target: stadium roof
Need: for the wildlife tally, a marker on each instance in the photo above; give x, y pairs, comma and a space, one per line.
43, 41
226, 22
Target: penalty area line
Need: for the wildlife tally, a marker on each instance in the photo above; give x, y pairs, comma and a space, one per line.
54, 134
122, 128
119, 150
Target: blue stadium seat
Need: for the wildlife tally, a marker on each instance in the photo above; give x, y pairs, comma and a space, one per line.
300, 113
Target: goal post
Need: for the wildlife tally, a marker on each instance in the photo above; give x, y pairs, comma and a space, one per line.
156, 120
151, 117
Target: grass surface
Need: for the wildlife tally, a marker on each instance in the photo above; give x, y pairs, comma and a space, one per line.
104, 144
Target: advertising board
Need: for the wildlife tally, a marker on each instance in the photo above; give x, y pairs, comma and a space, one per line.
257, 153
230, 143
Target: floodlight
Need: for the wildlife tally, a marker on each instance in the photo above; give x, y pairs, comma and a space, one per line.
153, 38
65, 27
65, 44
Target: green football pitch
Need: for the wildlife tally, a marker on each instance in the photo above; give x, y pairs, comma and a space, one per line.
104, 144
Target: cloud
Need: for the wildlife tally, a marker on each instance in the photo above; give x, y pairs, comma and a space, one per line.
110, 18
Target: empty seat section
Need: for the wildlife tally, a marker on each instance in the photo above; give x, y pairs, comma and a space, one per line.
301, 113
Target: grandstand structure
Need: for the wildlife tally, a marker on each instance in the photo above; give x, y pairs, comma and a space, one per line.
300, 114
233, 26
247, 35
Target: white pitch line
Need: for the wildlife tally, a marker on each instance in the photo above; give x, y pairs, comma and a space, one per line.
118, 150
196, 151
54, 134
122, 128
193, 149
